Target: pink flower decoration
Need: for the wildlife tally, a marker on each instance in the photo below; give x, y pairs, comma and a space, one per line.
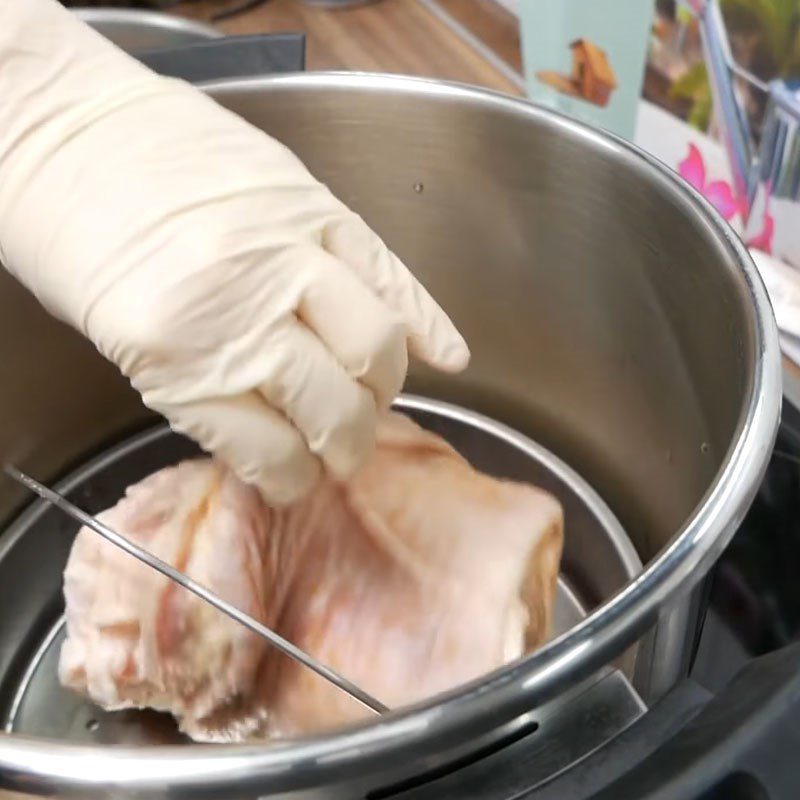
718, 193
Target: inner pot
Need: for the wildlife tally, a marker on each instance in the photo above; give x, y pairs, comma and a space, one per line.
613, 318
598, 560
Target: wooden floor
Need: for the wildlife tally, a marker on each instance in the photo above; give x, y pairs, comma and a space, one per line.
401, 36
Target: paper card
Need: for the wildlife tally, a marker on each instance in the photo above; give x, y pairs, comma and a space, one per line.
586, 58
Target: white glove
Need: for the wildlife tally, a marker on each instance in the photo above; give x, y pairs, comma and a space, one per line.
244, 302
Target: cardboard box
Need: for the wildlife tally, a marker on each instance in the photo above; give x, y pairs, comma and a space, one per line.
586, 58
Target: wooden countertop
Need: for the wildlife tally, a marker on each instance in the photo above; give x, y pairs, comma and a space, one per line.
402, 36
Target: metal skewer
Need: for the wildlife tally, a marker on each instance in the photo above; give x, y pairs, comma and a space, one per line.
183, 580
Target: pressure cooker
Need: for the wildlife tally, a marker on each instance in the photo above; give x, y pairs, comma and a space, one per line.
620, 334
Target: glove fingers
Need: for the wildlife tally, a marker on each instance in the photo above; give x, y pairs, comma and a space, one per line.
432, 336
335, 414
261, 446
363, 334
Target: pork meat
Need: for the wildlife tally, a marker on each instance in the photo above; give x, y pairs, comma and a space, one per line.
417, 575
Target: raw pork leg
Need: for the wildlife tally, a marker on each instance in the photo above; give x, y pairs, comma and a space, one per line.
417, 575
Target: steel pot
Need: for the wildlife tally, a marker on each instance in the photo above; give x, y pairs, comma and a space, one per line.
614, 318
135, 30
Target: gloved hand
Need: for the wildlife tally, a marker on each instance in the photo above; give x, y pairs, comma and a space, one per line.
244, 302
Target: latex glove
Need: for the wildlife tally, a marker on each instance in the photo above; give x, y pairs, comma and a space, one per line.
244, 302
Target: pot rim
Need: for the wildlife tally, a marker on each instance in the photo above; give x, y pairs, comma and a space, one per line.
462, 714
103, 15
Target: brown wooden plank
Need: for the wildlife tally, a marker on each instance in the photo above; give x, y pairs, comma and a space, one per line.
398, 36
494, 25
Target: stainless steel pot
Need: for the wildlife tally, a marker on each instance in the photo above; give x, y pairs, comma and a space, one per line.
134, 30
613, 317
